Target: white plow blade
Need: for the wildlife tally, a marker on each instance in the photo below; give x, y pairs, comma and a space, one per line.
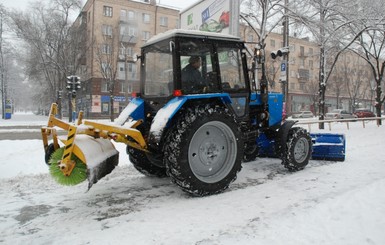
100, 155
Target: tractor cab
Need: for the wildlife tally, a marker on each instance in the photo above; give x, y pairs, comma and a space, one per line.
182, 62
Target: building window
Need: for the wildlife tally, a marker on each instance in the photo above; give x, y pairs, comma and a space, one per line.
126, 52
127, 15
104, 87
131, 67
310, 64
272, 43
131, 15
164, 21
302, 62
146, 18
107, 30
106, 68
122, 87
250, 38
310, 51
106, 49
145, 35
302, 50
107, 11
128, 31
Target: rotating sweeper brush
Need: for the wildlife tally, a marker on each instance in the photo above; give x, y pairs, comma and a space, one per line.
88, 152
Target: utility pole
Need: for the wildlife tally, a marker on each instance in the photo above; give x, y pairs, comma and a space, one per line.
285, 84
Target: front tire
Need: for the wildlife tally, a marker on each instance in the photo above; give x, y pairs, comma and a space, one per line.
50, 150
141, 163
204, 150
251, 151
298, 149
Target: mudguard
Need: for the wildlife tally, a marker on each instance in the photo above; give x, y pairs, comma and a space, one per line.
282, 133
135, 110
164, 115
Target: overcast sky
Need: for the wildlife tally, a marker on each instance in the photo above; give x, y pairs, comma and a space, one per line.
22, 4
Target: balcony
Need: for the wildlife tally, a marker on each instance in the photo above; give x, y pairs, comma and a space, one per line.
303, 74
128, 39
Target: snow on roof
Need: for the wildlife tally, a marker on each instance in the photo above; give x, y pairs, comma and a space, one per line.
190, 33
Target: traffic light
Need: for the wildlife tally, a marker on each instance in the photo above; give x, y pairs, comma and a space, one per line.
279, 52
73, 84
59, 94
69, 83
77, 85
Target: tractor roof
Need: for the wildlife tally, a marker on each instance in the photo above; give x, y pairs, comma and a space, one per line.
190, 33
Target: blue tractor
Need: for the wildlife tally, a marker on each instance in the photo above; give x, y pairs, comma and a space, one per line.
199, 127
200, 113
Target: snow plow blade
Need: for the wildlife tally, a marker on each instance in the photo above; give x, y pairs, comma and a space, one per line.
99, 155
330, 147
326, 146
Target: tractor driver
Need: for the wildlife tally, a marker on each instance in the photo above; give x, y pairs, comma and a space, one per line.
192, 79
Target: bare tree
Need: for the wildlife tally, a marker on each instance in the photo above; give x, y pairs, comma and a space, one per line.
263, 16
329, 21
355, 80
372, 44
107, 60
45, 29
312, 90
2, 65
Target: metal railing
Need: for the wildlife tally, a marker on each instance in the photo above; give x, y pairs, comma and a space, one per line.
347, 121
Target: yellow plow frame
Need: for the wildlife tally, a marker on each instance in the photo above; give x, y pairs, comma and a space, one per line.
128, 135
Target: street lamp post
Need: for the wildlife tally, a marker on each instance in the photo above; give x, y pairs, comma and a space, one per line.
285, 84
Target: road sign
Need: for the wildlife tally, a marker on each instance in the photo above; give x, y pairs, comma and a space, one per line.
282, 77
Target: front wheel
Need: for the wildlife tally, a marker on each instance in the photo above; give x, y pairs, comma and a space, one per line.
203, 152
141, 163
298, 149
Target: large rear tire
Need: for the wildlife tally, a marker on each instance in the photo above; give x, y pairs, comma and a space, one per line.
141, 163
203, 152
298, 149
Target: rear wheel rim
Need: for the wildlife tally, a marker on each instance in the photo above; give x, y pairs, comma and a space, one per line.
212, 152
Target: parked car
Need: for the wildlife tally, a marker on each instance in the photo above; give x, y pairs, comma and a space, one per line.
303, 114
339, 114
362, 113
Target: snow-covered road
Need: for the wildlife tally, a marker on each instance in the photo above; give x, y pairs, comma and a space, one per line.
326, 203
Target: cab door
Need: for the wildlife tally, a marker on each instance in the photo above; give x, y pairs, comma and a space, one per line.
233, 77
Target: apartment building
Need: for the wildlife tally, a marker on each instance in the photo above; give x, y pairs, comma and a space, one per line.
115, 30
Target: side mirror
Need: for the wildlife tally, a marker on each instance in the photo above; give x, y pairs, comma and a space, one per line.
136, 57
